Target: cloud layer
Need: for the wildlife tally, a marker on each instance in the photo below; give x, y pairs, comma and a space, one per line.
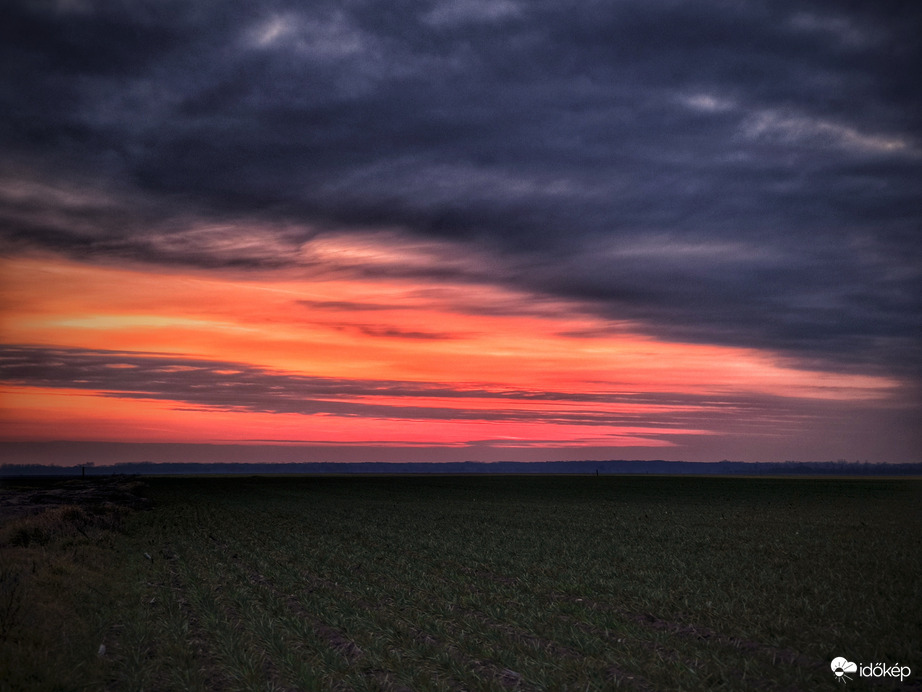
235, 387
745, 174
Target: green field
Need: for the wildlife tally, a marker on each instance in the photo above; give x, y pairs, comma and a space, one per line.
468, 583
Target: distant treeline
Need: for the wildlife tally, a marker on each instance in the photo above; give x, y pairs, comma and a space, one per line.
838, 468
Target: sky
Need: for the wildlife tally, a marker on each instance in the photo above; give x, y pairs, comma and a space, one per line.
460, 230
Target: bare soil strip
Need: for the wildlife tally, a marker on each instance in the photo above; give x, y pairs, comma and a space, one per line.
777, 654
612, 672
509, 679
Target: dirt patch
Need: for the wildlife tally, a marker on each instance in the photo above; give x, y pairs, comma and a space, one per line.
507, 678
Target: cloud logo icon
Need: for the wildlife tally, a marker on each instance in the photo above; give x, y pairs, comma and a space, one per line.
840, 666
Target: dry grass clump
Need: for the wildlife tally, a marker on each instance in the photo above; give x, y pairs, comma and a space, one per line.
11, 598
63, 521
62, 581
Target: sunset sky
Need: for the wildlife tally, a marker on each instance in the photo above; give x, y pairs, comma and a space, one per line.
460, 230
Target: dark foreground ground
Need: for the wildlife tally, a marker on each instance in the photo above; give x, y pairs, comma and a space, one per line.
459, 583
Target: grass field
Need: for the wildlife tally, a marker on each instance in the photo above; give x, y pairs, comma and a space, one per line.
469, 583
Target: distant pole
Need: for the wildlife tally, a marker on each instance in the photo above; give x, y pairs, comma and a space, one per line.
82, 471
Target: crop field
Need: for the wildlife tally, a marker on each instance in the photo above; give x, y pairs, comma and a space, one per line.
468, 583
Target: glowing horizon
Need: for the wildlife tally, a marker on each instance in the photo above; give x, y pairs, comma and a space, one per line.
408, 360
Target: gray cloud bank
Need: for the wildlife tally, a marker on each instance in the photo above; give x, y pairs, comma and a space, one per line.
738, 173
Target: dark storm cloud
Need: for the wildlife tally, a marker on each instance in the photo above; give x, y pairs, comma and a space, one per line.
741, 173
